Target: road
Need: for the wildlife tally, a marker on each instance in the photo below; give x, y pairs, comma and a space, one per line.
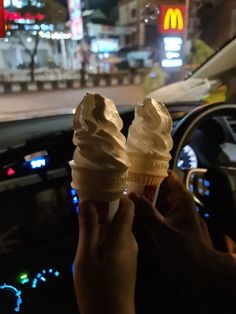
67, 99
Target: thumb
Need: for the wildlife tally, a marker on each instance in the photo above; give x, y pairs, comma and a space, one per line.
123, 220
88, 229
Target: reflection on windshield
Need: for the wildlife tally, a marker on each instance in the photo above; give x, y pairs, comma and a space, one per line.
64, 44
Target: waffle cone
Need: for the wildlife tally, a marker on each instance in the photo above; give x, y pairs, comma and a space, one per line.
100, 185
147, 170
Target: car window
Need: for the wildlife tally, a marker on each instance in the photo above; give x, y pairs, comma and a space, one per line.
56, 45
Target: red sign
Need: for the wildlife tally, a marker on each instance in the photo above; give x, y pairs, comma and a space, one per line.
15, 17
172, 19
2, 21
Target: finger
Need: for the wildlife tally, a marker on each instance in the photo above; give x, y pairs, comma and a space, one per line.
88, 229
174, 197
147, 213
12, 242
124, 218
10, 231
205, 232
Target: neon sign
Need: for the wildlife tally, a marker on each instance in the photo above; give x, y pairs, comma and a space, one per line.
172, 19
173, 52
76, 20
28, 18
2, 21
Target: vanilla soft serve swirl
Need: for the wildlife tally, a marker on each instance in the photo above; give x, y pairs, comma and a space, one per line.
100, 144
150, 132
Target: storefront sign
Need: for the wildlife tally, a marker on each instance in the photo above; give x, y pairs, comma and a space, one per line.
2, 20
76, 20
173, 56
26, 18
172, 19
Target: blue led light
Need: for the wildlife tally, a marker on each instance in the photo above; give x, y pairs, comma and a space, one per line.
207, 193
207, 183
75, 200
191, 188
25, 281
39, 275
200, 190
73, 268
38, 163
50, 271
77, 209
73, 192
206, 215
44, 271
197, 209
56, 274
17, 294
34, 284
43, 279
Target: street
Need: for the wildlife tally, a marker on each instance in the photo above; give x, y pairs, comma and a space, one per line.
47, 100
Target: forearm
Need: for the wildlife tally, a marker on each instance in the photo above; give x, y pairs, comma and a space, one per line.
224, 274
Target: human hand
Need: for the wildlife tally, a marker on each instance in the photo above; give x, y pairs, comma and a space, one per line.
106, 261
181, 240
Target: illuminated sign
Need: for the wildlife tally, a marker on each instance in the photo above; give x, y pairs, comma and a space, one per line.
2, 20
18, 3
76, 20
104, 45
26, 18
173, 52
172, 19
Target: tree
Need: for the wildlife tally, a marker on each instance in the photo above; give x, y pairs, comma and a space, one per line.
155, 79
48, 12
200, 52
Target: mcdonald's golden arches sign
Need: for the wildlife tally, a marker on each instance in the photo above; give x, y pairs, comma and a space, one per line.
172, 19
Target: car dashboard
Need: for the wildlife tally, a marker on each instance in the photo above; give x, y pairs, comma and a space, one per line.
38, 207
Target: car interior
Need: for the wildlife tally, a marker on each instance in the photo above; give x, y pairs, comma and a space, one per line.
39, 229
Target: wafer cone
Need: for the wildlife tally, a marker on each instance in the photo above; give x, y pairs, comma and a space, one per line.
146, 175
105, 187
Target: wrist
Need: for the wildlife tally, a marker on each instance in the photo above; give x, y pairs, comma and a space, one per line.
218, 277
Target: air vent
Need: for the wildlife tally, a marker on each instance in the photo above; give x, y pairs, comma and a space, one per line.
232, 125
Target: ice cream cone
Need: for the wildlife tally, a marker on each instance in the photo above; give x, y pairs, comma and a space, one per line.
147, 170
148, 146
99, 185
100, 163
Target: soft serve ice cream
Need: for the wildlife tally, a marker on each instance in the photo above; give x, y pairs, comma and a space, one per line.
100, 163
149, 144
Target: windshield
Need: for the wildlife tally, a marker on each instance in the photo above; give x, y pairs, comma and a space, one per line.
53, 51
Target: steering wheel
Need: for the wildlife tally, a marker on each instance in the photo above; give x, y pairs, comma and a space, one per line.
214, 188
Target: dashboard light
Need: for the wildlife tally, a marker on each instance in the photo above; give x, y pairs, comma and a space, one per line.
56, 274
25, 281
38, 163
11, 172
73, 192
75, 200
207, 183
23, 276
206, 215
